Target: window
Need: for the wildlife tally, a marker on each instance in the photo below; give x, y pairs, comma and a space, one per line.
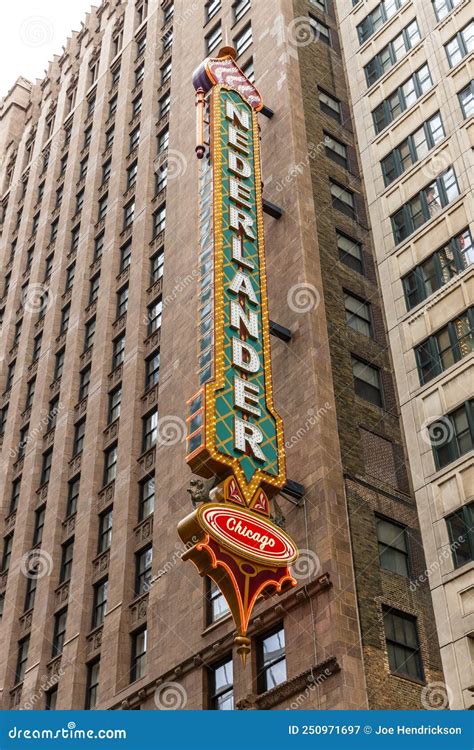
117, 41
48, 268
217, 606
64, 319
402, 644
79, 201
132, 175
443, 7
139, 643
109, 137
150, 430
466, 100
240, 8
447, 346
106, 169
122, 301
243, 40
59, 632
115, 400
147, 498
336, 150
139, 74
72, 496
70, 271
159, 219
377, 17
63, 165
87, 136
213, 39
59, 198
16, 337
118, 351
36, 347
66, 561
221, 686
163, 140
452, 436
98, 246
367, 381
102, 212
248, 70
22, 659
113, 105
10, 375
413, 148
59, 364
53, 410
100, 603
438, 269
110, 464
46, 466
168, 12
424, 206
461, 45
212, 7
156, 266
402, 98
321, 30
105, 532
89, 333
54, 231
51, 699
93, 71
167, 40
392, 53
166, 72
161, 177
15, 495
7, 552
84, 382
343, 199
34, 226
115, 75
141, 44
23, 440
79, 432
271, 661
461, 534
134, 139
152, 370
164, 105
358, 314
92, 684
393, 547
144, 561
319, 4
125, 256
129, 214
31, 583
94, 288
137, 105
154, 311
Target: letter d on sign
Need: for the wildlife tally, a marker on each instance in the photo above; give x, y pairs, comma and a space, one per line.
292, 729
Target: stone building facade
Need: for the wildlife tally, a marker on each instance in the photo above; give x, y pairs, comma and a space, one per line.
99, 326
410, 74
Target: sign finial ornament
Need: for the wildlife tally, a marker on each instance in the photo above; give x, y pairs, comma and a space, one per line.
235, 434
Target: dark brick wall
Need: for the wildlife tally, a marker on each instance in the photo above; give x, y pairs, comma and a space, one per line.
372, 450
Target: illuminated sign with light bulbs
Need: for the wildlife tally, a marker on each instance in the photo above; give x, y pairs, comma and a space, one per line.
234, 433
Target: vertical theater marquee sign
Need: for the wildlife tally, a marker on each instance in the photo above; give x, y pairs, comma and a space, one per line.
235, 436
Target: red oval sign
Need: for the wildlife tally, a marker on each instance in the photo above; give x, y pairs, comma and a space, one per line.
248, 535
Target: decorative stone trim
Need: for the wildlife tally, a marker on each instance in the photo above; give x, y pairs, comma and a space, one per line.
94, 641
25, 621
100, 565
307, 680
119, 324
69, 526
149, 398
111, 431
61, 595
139, 609
115, 375
75, 464
106, 496
143, 532
147, 460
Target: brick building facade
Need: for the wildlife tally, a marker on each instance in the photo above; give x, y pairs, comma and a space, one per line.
99, 309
